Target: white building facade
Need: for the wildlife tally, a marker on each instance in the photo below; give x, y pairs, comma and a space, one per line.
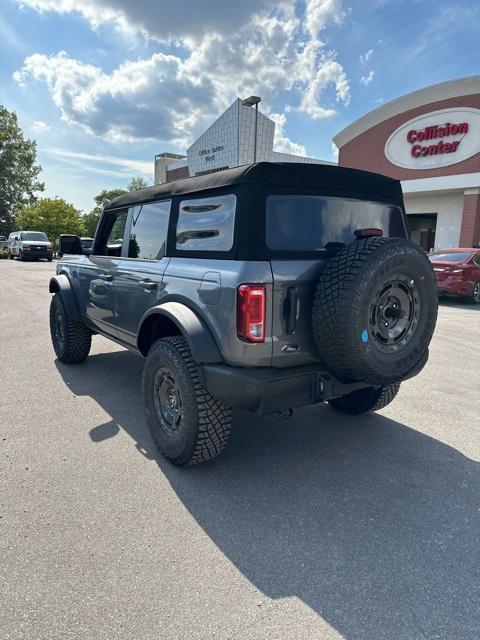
228, 142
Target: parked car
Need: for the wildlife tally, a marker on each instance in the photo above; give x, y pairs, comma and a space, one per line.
457, 272
264, 287
86, 243
3, 241
29, 245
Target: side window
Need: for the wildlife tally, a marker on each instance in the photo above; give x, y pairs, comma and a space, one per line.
110, 241
477, 260
206, 224
148, 233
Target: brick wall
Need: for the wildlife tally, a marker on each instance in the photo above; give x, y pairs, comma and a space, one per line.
177, 174
470, 230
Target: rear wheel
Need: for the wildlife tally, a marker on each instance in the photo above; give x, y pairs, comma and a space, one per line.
365, 400
71, 340
187, 424
11, 256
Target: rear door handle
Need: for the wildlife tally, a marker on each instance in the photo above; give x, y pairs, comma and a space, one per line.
291, 309
147, 284
106, 276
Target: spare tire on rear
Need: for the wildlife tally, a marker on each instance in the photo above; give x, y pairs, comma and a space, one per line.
374, 310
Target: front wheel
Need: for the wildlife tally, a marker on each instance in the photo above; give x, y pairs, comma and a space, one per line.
366, 400
475, 299
187, 424
71, 339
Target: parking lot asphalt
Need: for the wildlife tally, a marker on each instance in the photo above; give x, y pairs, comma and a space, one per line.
319, 527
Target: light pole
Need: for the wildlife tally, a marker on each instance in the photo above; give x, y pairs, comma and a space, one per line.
250, 102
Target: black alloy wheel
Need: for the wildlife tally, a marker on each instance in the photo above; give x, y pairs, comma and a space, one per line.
395, 312
168, 401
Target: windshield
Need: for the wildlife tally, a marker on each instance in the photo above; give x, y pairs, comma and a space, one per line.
454, 256
37, 236
309, 223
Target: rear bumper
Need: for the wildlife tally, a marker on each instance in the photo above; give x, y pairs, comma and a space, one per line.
267, 390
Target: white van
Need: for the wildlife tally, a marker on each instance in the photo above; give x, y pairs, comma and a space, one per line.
29, 245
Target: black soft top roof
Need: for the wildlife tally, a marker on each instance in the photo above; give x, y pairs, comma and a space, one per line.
278, 174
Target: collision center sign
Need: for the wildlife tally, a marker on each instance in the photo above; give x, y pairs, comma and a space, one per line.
435, 139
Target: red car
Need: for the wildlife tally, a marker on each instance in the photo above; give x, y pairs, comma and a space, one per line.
458, 273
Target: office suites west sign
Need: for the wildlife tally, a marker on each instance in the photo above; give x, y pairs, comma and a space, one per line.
435, 139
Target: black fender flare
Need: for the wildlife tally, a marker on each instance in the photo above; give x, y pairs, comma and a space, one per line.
61, 284
202, 345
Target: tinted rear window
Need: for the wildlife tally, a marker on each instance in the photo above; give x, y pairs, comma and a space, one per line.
308, 223
456, 256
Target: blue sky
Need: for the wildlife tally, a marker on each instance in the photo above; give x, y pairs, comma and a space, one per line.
104, 85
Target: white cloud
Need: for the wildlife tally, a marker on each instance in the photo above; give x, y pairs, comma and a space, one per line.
126, 165
274, 53
281, 142
39, 126
365, 57
170, 21
366, 80
9, 36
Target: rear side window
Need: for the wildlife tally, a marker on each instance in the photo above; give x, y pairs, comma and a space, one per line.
206, 224
148, 232
308, 223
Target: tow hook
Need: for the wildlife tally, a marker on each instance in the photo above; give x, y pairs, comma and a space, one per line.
286, 414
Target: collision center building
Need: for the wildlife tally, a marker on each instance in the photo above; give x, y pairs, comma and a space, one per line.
430, 140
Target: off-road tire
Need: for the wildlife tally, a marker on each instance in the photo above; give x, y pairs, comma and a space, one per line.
21, 257
204, 426
366, 400
74, 344
342, 314
11, 256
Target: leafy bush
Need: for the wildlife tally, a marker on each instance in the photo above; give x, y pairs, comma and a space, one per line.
3, 253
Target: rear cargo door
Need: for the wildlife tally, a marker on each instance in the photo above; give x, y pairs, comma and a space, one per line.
294, 283
303, 232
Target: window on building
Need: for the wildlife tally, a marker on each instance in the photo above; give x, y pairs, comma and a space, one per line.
206, 224
148, 232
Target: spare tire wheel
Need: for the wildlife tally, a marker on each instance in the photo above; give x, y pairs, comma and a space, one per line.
374, 310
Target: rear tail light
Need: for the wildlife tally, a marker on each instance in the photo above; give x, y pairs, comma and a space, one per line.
251, 312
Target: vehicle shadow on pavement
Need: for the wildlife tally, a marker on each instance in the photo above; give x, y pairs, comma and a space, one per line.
370, 523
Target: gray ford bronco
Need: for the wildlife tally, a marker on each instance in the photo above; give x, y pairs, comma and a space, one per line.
264, 287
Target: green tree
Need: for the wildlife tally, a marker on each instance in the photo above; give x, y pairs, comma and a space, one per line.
90, 220
53, 216
137, 183
18, 170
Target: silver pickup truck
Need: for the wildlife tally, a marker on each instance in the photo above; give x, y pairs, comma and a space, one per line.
265, 287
